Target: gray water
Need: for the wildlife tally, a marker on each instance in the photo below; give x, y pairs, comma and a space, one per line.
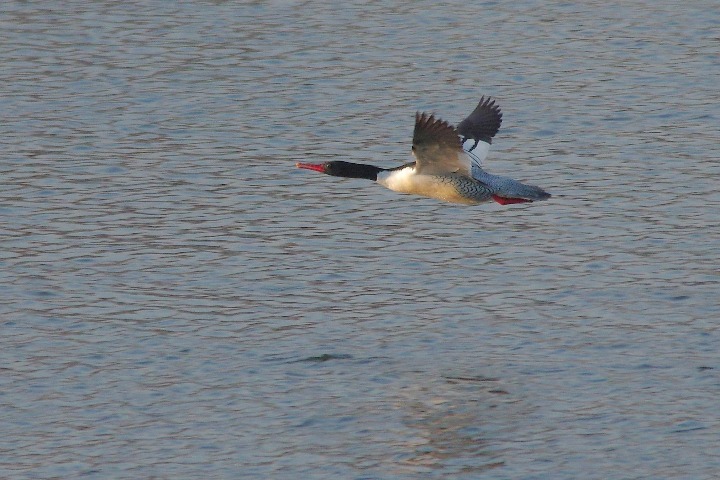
177, 300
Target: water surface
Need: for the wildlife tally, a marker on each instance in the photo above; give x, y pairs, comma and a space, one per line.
177, 300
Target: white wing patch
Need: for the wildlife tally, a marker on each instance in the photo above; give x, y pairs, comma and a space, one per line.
476, 157
479, 153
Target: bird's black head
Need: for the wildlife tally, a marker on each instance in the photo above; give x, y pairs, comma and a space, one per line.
339, 168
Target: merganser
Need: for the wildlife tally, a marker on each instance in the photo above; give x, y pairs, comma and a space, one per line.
445, 166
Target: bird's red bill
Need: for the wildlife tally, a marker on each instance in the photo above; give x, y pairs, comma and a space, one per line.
318, 167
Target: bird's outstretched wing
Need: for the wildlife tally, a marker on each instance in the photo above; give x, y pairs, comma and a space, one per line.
482, 124
437, 147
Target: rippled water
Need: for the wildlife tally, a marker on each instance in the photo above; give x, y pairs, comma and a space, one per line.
178, 301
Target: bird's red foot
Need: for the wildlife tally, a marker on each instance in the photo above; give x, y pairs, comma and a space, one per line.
509, 201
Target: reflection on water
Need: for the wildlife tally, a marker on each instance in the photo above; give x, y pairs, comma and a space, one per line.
179, 300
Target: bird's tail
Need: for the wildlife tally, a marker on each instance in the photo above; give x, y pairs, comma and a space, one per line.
527, 192
508, 191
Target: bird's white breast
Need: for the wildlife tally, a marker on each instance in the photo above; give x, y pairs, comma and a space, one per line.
402, 180
442, 187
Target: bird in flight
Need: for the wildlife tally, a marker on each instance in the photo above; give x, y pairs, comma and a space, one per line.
447, 163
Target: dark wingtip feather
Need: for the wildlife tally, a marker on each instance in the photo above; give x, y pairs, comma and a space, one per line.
483, 123
429, 129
